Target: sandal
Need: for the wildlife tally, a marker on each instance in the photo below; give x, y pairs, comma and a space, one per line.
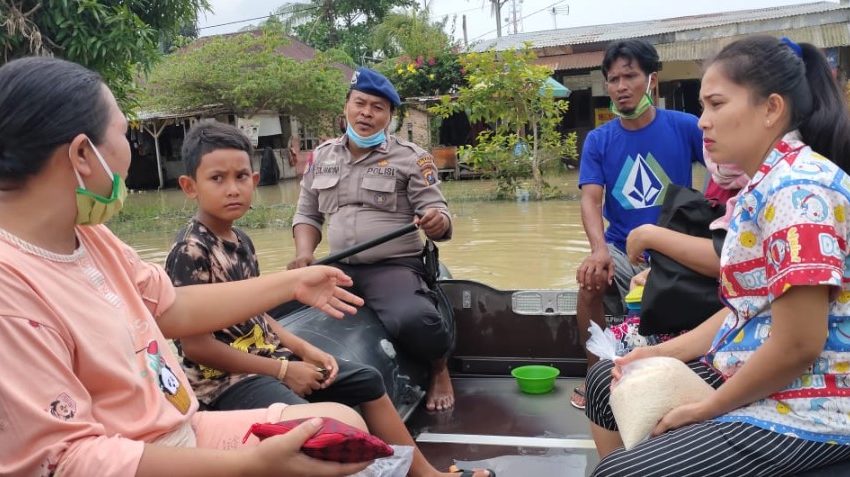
578, 393
469, 473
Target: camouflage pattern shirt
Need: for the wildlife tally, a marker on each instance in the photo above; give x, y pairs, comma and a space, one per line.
199, 256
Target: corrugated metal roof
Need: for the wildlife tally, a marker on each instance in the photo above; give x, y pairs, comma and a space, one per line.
823, 36
575, 61
618, 31
208, 110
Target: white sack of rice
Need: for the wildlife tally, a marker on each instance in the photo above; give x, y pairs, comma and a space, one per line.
649, 388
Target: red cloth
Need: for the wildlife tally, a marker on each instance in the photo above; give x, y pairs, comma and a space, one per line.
335, 441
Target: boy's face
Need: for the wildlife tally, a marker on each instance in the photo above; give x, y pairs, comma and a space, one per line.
223, 184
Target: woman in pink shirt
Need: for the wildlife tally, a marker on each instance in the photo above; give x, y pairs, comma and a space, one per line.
90, 386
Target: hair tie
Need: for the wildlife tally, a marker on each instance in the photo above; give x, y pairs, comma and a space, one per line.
794, 47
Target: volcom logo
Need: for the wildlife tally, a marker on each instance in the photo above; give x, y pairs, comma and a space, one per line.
641, 184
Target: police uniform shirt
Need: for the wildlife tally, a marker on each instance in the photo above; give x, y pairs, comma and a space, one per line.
371, 196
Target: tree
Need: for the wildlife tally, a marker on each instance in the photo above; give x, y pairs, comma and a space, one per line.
508, 92
422, 59
411, 33
246, 73
116, 38
344, 24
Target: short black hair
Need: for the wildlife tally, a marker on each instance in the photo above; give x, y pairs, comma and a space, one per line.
44, 103
637, 50
209, 135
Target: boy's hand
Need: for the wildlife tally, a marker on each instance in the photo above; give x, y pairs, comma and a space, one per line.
280, 456
319, 286
317, 357
303, 378
301, 262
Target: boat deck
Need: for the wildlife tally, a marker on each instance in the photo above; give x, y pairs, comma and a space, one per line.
494, 425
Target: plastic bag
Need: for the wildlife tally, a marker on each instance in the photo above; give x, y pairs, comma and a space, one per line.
648, 389
392, 466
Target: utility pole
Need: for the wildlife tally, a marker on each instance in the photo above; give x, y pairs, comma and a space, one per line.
565, 10
465, 40
497, 9
513, 12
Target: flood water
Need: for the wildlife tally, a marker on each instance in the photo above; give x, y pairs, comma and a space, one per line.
506, 244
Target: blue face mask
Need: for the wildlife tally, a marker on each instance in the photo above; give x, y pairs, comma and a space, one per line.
365, 142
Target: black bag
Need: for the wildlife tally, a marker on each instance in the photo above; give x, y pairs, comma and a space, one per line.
431, 259
677, 298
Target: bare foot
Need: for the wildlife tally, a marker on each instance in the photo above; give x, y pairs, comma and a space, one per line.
441, 395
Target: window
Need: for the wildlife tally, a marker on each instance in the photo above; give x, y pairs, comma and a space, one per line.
308, 136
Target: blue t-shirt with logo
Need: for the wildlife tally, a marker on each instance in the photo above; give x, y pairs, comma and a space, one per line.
635, 167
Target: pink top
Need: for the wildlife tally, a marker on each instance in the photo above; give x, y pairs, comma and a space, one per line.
87, 375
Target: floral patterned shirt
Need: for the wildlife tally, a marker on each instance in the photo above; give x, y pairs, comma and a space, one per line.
790, 228
200, 256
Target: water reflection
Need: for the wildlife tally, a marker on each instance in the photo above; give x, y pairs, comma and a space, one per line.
504, 244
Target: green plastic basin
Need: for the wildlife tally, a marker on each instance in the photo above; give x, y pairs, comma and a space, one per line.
535, 379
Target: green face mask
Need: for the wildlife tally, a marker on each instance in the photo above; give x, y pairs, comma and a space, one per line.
644, 104
93, 209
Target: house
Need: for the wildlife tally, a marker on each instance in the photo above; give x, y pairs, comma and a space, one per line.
156, 137
683, 43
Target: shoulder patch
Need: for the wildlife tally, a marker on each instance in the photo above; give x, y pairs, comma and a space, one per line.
426, 164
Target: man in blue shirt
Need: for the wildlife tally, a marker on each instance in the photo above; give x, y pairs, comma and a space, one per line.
626, 166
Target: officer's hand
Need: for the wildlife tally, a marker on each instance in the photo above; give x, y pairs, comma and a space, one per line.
301, 261
433, 222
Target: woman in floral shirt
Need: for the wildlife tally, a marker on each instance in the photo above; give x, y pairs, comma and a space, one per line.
779, 355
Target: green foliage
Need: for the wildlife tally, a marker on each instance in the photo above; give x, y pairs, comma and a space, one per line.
116, 38
246, 73
421, 59
411, 33
424, 76
146, 216
507, 91
343, 24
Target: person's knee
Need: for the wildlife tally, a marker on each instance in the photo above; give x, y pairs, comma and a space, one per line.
374, 381
349, 416
337, 411
425, 333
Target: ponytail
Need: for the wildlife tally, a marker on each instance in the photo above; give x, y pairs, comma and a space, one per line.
827, 127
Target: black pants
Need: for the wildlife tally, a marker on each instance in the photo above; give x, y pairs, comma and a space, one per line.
355, 384
395, 289
706, 449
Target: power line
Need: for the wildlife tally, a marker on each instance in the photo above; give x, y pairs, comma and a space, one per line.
307, 7
523, 18
236, 22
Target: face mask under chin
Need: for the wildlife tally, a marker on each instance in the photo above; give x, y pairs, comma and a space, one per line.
643, 105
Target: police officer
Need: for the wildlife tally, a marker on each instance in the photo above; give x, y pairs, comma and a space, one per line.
367, 183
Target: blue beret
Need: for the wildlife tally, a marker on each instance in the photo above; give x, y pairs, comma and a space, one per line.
371, 82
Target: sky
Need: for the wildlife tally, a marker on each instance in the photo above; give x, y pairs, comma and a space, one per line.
532, 15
